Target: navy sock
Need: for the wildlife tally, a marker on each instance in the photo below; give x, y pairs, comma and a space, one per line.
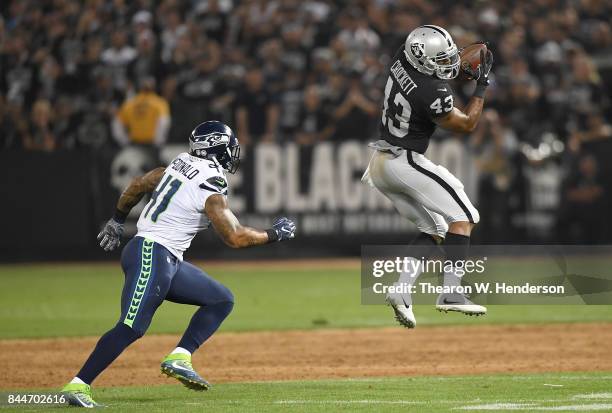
203, 324
109, 347
456, 247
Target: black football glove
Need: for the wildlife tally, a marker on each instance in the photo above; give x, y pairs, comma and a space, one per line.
466, 68
482, 75
282, 229
486, 62
110, 236
484, 68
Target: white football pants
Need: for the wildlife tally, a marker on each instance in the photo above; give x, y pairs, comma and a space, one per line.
421, 191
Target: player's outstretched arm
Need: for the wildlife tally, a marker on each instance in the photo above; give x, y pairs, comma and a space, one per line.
236, 235
465, 121
110, 236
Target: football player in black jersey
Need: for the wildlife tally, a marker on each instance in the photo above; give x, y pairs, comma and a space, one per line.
418, 98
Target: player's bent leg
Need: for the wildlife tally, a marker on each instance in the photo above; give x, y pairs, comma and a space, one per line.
108, 348
193, 286
402, 303
461, 228
441, 192
456, 246
148, 269
432, 227
432, 186
427, 239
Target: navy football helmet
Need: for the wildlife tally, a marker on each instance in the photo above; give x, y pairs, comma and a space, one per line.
214, 139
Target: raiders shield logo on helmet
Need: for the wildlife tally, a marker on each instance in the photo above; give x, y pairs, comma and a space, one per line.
418, 49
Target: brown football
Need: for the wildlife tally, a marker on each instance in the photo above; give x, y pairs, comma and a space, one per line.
470, 56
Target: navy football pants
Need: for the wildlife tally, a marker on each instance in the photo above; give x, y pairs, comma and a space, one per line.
152, 275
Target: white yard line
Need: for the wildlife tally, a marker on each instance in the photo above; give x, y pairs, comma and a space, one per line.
578, 407
498, 406
412, 402
544, 376
601, 396
536, 407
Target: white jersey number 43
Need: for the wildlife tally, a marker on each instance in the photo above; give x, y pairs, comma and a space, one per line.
404, 119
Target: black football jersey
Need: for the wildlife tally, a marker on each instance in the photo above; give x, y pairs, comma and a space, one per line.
412, 101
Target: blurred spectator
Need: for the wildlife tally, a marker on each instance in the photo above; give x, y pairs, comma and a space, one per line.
7, 126
143, 119
356, 35
117, 57
295, 55
199, 84
545, 80
147, 63
40, 136
290, 102
173, 30
495, 147
583, 204
316, 70
314, 122
257, 111
214, 19
355, 114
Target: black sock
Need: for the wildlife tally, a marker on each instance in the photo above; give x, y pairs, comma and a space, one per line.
109, 347
424, 239
424, 246
456, 247
456, 250
204, 323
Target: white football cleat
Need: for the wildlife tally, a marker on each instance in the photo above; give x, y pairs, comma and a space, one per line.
459, 303
403, 311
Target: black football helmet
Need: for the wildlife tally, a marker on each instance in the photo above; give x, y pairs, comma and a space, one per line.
214, 139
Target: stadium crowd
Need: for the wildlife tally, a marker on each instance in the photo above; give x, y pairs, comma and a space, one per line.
89, 74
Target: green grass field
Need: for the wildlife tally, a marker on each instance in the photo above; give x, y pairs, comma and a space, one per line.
79, 300
537, 392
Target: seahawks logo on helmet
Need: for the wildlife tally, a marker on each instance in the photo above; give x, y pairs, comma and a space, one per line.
213, 139
418, 50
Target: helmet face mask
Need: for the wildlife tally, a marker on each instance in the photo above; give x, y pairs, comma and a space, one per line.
431, 51
214, 140
448, 64
231, 159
